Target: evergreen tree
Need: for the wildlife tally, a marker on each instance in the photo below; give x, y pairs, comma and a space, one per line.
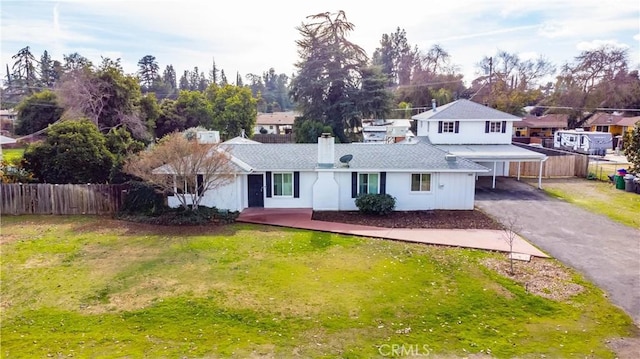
328, 71
148, 71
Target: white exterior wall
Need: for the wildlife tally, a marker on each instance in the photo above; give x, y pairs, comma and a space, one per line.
307, 179
448, 191
399, 186
345, 202
502, 168
470, 132
455, 191
223, 197
326, 192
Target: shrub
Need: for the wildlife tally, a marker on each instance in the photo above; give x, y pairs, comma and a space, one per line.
183, 217
376, 203
143, 198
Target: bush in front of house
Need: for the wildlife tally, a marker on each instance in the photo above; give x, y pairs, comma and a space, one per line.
142, 198
380, 204
145, 204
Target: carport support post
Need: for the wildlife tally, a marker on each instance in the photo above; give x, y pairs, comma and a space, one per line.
540, 175
494, 174
518, 170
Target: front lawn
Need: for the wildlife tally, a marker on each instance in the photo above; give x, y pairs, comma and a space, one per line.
96, 287
598, 197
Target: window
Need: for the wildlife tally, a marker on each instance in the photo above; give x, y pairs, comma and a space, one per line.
495, 126
448, 127
368, 183
602, 128
188, 184
421, 182
283, 184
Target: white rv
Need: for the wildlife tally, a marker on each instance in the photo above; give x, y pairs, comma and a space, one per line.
590, 143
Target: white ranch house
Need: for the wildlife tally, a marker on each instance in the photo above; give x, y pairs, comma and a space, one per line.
438, 169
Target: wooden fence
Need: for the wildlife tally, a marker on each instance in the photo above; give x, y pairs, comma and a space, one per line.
61, 198
558, 164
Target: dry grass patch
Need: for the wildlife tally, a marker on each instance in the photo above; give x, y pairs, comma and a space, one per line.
544, 277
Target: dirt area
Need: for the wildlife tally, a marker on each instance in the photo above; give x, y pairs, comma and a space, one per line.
439, 219
544, 277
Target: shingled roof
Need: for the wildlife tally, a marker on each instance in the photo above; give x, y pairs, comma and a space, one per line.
385, 157
464, 110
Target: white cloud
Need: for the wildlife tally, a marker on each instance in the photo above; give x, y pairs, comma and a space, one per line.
595, 44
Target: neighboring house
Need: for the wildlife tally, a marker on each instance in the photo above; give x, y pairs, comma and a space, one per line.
540, 126
614, 123
278, 123
478, 133
8, 121
321, 176
386, 131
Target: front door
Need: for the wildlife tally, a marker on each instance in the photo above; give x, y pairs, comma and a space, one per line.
255, 187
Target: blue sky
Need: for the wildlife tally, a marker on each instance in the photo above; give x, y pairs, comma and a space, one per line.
251, 36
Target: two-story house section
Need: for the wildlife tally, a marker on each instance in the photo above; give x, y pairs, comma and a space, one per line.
478, 133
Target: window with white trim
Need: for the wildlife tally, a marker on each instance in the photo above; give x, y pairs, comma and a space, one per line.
368, 183
420, 182
495, 126
448, 127
283, 184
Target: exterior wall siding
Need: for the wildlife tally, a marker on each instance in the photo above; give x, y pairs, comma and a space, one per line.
224, 197
307, 179
448, 191
502, 168
470, 132
455, 191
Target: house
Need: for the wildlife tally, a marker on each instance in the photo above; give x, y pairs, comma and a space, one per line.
437, 169
386, 131
540, 126
329, 176
614, 123
476, 132
8, 119
278, 123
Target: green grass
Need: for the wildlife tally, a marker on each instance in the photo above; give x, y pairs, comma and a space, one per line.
601, 170
598, 197
95, 287
12, 155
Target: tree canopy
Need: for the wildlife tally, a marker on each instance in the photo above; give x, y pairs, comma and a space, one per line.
183, 167
72, 152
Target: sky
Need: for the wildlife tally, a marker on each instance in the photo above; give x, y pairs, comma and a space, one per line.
251, 36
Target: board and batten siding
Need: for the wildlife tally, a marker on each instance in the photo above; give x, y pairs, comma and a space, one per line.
455, 191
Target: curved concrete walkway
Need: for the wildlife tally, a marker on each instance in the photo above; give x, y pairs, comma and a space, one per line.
606, 252
467, 238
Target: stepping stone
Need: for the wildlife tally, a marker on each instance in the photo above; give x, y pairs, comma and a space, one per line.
520, 257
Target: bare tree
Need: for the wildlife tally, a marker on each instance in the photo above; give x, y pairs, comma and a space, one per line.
183, 167
511, 229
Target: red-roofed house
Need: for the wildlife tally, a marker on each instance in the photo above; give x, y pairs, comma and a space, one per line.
614, 123
278, 123
540, 126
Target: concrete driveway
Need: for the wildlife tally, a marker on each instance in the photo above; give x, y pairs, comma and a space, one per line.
606, 252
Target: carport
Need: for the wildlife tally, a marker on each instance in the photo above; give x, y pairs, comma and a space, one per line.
497, 154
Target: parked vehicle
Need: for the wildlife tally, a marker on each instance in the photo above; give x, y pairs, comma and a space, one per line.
587, 142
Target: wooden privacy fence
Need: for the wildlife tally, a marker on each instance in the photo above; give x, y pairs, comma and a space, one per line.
558, 164
61, 198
